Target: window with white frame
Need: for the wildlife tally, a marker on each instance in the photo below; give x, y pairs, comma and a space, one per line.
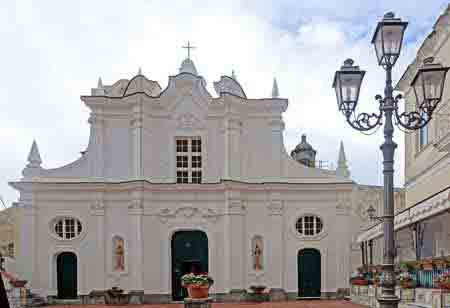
309, 225
67, 228
189, 160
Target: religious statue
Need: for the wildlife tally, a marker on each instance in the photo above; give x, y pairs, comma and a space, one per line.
119, 254
257, 254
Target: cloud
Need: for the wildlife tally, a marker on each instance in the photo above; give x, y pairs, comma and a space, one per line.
57, 50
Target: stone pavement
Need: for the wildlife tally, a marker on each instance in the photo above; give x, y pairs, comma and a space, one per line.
290, 304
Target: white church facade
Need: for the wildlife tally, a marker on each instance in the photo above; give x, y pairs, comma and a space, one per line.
177, 179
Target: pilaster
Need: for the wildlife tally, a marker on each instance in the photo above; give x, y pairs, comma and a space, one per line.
97, 210
135, 212
96, 143
232, 163
236, 218
136, 129
28, 239
277, 128
276, 250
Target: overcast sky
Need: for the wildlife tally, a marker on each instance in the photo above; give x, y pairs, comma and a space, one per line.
54, 51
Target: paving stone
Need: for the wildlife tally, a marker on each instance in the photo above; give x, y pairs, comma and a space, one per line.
290, 304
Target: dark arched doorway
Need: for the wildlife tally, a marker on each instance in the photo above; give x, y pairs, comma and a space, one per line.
66, 275
309, 271
189, 254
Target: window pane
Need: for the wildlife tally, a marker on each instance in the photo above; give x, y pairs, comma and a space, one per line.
299, 225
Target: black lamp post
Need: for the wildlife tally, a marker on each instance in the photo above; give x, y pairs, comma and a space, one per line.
428, 85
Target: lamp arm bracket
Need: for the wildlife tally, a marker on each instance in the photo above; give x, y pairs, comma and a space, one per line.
366, 121
413, 120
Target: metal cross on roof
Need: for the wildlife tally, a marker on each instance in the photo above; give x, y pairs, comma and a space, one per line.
189, 47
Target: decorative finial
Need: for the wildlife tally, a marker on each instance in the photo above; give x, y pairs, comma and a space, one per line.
233, 75
34, 158
342, 168
140, 71
100, 83
275, 92
348, 62
303, 137
189, 47
389, 15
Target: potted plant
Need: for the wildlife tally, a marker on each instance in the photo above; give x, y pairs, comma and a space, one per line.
18, 283
258, 289
358, 279
197, 285
406, 280
442, 281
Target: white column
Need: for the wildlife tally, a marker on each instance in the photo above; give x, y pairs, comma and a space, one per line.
135, 262
276, 247
237, 236
97, 278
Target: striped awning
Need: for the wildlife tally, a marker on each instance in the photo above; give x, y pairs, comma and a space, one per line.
427, 208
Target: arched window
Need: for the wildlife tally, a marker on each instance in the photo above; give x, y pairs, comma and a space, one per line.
309, 225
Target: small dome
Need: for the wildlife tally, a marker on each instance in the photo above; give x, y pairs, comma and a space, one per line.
304, 153
303, 146
187, 66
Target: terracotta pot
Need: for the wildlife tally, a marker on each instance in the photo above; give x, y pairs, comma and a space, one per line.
427, 265
445, 286
198, 292
408, 284
360, 282
19, 283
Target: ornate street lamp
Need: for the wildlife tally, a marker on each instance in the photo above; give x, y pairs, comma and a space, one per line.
428, 85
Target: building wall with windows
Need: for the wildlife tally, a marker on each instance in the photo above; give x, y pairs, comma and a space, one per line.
421, 225
10, 231
163, 166
427, 157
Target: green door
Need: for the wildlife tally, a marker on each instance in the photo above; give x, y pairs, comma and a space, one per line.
309, 271
189, 254
66, 272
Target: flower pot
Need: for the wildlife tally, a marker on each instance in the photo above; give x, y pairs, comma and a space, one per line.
444, 285
19, 283
258, 289
440, 263
360, 282
408, 284
427, 265
198, 291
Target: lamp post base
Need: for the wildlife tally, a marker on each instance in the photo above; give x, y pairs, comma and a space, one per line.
389, 301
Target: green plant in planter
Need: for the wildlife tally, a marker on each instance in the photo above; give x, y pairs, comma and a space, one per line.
201, 280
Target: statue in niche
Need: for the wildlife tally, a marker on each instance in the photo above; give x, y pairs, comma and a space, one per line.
119, 254
257, 251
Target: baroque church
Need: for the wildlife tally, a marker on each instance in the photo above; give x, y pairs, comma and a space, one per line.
179, 179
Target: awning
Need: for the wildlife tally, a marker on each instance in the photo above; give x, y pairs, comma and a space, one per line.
424, 209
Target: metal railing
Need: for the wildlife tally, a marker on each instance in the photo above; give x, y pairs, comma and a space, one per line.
17, 297
425, 279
